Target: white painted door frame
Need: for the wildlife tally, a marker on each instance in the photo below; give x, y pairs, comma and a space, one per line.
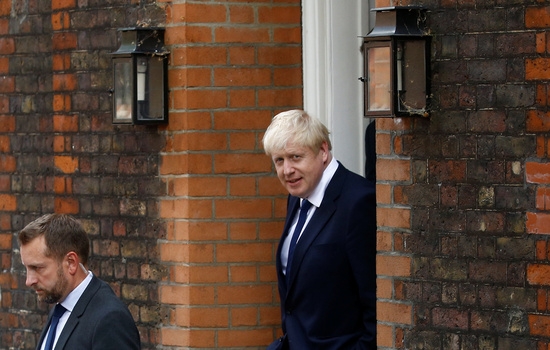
333, 62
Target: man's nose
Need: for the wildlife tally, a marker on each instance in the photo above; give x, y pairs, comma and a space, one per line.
31, 279
288, 168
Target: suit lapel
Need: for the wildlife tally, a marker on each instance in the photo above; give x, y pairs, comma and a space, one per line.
77, 312
319, 219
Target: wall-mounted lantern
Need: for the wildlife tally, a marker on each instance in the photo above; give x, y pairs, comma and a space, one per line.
397, 63
140, 84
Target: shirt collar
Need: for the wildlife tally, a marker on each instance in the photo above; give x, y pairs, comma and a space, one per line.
318, 193
71, 299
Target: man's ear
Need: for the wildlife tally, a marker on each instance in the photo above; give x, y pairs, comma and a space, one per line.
325, 150
73, 261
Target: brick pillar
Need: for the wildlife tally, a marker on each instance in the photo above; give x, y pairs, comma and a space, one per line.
537, 174
233, 66
393, 264
64, 82
8, 164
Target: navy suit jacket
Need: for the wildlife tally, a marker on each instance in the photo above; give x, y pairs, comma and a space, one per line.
99, 321
329, 302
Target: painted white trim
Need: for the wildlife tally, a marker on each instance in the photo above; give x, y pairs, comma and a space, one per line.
332, 31
316, 58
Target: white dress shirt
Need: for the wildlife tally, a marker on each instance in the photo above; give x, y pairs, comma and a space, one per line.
315, 199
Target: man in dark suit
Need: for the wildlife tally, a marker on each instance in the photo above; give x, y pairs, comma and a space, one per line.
54, 249
325, 267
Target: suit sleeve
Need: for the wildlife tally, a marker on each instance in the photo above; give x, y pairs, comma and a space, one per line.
116, 331
361, 248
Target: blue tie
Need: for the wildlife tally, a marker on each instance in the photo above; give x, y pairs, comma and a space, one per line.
301, 220
58, 311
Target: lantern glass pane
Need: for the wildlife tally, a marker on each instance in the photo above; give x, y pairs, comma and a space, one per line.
379, 78
150, 89
412, 94
123, 88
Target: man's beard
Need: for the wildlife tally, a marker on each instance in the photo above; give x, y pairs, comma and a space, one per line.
53, 296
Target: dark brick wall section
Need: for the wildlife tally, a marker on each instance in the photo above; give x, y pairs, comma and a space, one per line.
478, 188
59, 152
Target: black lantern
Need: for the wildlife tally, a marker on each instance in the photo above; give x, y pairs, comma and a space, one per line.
140, 84
396, 54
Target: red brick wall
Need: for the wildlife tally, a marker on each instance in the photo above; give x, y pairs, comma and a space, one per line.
233, 66
59, 152
184, 218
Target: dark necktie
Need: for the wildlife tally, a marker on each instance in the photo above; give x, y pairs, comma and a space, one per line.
58, 311
301, 220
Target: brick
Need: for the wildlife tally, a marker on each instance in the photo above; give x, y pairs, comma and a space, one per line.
253, 252
281, 98
537, 17
200, 55
287, 76
543, 198
399, 313
393, 169
242, 98
246, 294
242, 186
242, 76
538, 325
447, 171
241, 14
7, 84
387, 265
393, 217
199, 13
7, 164
243, 208
185, 163
244, 338
279, 15
198, 99
450, 318
537, 172
280, 55
63, 4
245, 120
5, 8
197, 186
244, 317
198, 317
65, 123
183, 208
61, 20
7, 46
66, 164
64, 82
197, 141
538, 121
61, 103
241, 163
241, 35
64, 41
244, 274
5, 241
536, 69
288, 35
537, 274
242, 141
